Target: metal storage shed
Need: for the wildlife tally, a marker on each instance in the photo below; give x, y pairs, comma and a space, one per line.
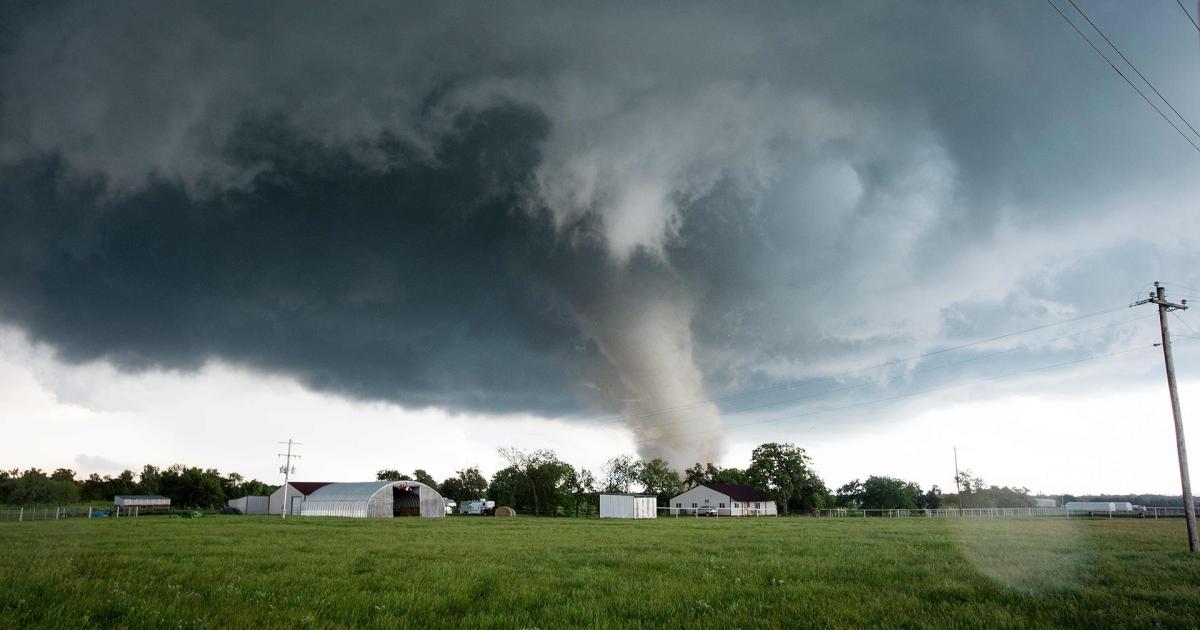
375, 499
613, 505
250, 504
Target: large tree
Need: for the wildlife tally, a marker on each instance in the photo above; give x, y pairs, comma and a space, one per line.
785, 472
889, 493
658, 478
466, 484
420, 476
621, 472
540, 468
710, 473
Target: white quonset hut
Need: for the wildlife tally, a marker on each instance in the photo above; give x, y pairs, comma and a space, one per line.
617, 505
375, 499
719, 499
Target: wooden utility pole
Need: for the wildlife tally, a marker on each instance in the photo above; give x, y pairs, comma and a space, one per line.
1159, 297
957, 485
287, 469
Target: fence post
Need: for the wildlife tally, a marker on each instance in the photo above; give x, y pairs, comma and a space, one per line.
89, 511
56, 513
21, 514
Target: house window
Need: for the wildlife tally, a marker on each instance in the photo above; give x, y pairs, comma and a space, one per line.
678, 505
693, 505
757, 505
706, 500
722, 504
735, 504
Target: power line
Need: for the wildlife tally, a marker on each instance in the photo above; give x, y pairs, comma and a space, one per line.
838, 390
1188, 14
907, 394
1122, 75
617, 417
1139, 72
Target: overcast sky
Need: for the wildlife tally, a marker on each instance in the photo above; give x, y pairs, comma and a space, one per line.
406, 235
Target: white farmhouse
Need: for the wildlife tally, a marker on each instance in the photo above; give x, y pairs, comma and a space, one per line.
719, 499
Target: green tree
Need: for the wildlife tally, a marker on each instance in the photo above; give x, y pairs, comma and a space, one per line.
391, 474
658, 478
932, 499
466, 484
889, 493
621, 472
148, 481
784, 472
420, 476
850, 495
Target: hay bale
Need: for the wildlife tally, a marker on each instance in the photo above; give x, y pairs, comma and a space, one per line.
504, 510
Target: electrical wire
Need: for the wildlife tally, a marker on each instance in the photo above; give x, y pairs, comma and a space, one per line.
1135, 69
905, 395
1122, 75
1188, 14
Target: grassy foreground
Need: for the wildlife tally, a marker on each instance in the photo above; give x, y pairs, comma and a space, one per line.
524, 572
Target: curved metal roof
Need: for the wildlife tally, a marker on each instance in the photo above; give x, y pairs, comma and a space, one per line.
357, 491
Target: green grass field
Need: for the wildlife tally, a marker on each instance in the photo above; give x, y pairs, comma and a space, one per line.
549, 573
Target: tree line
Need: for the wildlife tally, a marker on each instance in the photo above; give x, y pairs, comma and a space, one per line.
538, 482
186, 486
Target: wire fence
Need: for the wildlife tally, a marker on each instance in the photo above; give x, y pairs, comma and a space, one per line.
22, 514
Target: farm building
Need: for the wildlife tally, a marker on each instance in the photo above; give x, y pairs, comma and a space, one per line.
616, 505
719, 499
297, 491
142, 502
1045, 503
374, 499
251, 505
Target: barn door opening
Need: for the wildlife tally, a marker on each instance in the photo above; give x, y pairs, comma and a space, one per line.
406, 501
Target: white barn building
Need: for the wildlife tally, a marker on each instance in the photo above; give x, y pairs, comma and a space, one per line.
375, 499
723, 500
621, 505
297, 491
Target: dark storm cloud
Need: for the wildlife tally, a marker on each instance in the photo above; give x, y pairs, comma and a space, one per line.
413, 282
519, 208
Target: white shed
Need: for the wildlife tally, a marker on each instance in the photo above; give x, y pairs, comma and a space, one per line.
628, 506
251, 504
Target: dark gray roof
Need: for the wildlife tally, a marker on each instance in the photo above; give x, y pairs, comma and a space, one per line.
741, 493
140, 496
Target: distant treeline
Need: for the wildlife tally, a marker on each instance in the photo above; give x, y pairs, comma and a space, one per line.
185, 486
538, 482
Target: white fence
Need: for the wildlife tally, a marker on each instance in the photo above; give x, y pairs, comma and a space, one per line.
714, 512
1150, 512
52, 513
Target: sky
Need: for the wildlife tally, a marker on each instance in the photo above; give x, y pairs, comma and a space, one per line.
407, 235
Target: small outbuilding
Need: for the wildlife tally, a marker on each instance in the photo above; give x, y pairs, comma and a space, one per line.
720, 499
254, 505
141, 502
297, 491
622, 505
375, 499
